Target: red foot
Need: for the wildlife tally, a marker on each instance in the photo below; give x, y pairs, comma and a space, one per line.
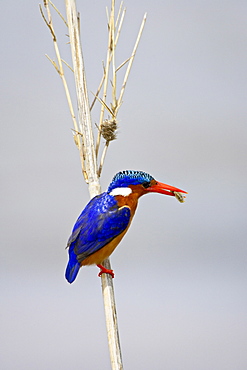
105, 271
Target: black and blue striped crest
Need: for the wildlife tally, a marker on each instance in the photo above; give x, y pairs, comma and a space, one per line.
129, 177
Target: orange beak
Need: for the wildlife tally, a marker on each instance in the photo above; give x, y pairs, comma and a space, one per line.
161, 188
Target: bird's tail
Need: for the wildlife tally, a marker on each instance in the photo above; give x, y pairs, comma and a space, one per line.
72, 267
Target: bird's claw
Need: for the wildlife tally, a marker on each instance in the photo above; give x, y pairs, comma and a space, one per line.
104, 270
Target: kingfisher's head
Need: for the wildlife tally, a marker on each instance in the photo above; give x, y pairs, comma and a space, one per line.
126, 182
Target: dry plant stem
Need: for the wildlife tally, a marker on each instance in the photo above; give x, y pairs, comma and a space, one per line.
120, 26
60, 70
106, 72
117, 37
103, 157
119, 12
130, 63
58, 12
114, 79
98, 91
111, 316
91, 168
84, 116
116, 103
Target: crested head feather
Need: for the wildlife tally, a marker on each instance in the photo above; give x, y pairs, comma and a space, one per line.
129, 177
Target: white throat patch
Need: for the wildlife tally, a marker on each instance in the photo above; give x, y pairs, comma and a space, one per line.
121, 191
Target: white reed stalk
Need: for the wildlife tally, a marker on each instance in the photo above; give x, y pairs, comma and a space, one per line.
106, 71
130, 63
91, 168
84, 115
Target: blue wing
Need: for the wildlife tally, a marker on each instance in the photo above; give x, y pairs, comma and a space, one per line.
99, 223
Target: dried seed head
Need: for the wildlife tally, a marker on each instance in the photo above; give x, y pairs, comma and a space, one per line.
108, 129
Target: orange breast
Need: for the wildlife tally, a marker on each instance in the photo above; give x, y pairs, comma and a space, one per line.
98, 257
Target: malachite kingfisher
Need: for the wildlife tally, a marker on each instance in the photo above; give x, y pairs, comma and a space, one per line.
107, 217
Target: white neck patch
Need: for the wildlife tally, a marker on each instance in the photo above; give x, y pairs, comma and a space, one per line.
121, 191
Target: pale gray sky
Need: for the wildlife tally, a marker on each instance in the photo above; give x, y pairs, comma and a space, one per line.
181, 269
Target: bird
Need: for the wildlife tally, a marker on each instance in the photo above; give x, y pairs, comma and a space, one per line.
107, 217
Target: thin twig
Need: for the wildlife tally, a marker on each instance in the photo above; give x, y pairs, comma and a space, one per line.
119, 12
58, 12
99, 88
116, 40
45, 20
59, 68
131, 62
103, 157
105, 105
114, 78
64, 61
107, 67
120, 26
53, 63
122, 64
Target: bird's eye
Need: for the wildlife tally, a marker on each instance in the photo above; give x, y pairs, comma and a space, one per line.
146, 184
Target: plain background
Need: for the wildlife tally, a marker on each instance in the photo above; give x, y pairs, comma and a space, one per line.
181, 270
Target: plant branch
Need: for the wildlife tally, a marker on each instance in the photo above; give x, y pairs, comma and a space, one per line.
93, 179
84, 116
59, 68
130, 63
106, 71
112, 44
